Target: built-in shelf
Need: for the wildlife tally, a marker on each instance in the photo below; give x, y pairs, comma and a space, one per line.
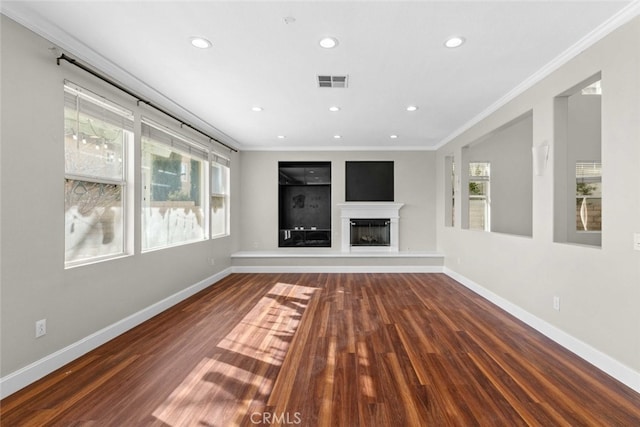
304, 204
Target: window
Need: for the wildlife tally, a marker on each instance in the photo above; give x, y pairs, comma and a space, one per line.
98, 134
173, 188
588, 196
479, 201
219, 197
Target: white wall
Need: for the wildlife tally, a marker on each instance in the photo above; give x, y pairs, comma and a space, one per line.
599, 288
76, 302
414, 186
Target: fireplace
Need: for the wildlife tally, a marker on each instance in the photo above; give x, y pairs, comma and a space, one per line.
370, 232
370, 226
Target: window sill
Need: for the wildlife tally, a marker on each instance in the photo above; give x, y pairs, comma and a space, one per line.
82, 263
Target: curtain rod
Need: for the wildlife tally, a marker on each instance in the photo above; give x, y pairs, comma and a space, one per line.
137, 97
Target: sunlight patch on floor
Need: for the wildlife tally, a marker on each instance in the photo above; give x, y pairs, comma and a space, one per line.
220, 390
266, 331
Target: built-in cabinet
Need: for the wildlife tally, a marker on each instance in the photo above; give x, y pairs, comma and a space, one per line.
304, 204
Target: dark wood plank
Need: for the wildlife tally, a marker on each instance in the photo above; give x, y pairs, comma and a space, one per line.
328, 350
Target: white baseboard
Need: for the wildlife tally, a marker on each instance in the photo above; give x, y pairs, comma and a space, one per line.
606, 363
339, 269
21, 378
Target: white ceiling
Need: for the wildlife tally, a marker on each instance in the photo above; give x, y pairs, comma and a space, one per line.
392, 52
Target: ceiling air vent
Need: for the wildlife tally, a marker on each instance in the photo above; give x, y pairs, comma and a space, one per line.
332, 81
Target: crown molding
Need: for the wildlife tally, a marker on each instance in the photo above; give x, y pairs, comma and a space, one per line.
623, 16
338, 148
22, 14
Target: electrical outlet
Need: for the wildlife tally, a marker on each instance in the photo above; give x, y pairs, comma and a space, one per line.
556, 303
212, 261
41, 328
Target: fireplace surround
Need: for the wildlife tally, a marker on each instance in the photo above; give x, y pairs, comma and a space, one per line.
372, 212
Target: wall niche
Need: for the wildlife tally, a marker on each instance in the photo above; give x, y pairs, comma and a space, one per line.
304, 194
578, 195
497, 180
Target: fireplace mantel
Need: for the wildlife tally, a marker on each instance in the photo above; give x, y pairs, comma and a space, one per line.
370, 210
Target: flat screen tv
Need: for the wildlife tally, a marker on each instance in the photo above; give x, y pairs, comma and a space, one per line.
369, 181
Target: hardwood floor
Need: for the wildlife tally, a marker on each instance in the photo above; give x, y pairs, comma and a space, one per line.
328, 350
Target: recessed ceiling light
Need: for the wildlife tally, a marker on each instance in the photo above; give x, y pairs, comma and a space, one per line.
256, 109
412, 108
329, 42
393, 136
334, 108
281, 137
337, 136
456, 41
200, 43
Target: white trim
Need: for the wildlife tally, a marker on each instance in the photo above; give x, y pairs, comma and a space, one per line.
310, 253
340, 148
623, 16
21, 378
602, 361
339, 269
20, 12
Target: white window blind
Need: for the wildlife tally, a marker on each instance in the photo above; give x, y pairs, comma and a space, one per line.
221, 160
164, 135
93, 105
